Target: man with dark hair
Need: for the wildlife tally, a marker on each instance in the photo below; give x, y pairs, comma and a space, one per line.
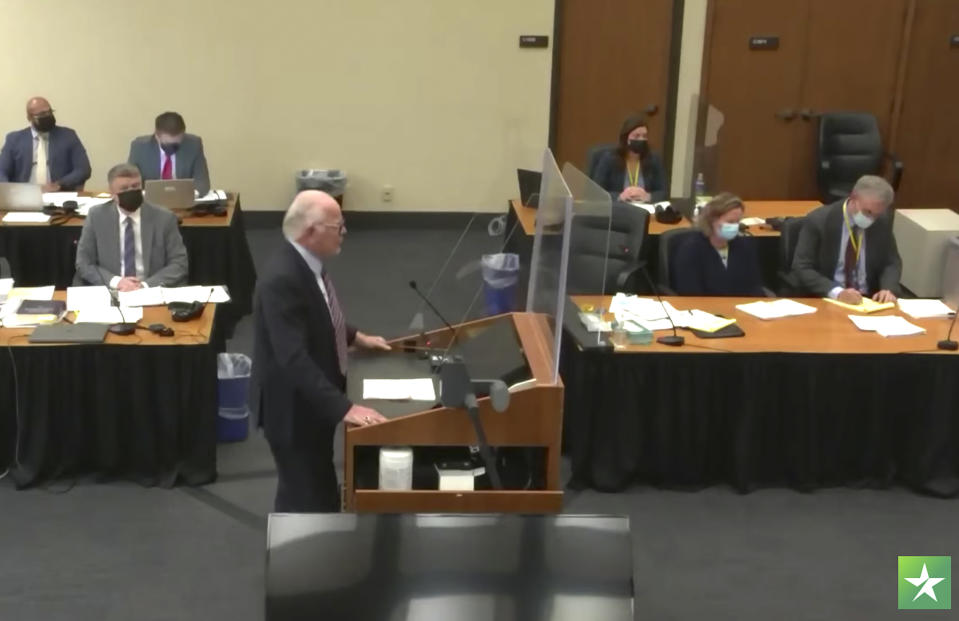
128, 244
45, 153
171, 153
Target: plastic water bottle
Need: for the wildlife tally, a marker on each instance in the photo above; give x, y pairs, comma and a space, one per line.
700, 188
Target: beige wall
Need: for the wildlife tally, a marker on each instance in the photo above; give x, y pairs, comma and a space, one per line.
433, 97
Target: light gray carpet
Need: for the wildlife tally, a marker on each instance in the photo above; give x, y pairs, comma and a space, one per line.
124, 553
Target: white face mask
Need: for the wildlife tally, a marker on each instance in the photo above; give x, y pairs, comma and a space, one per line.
862, 220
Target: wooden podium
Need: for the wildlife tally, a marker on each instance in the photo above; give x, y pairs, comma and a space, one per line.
534, 419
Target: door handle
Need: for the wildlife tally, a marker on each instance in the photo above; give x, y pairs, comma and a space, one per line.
786, 114
651, 109
808, 114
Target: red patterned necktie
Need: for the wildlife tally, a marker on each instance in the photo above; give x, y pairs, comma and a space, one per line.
167, 172
339, 322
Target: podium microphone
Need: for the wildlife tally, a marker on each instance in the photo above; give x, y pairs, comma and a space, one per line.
120, 329
673, 340
435, 311
948, 344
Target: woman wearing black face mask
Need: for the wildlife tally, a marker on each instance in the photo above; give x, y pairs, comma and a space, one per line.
632, 172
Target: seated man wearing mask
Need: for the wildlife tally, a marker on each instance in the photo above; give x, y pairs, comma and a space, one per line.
128, 244
719, 261
171, 153
847, 250
44, 153
632, 172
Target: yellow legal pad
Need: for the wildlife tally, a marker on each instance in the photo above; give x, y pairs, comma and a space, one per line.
868, 305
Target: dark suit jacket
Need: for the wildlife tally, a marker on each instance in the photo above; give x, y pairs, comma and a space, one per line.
66, 158
164, 255
190, 160
698, 269
611, 173
817, 252
297, 389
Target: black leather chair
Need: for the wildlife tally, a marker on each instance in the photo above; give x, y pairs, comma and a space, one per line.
589, 253
669, 242
788, 238
592, 157
850, 147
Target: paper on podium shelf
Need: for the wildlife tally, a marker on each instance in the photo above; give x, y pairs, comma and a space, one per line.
868, 305
26, 217
420, 389
84, 298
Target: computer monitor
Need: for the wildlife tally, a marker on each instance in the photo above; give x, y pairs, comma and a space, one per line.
21, 197
529, 182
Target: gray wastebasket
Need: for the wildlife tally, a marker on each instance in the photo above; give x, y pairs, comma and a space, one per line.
332, 181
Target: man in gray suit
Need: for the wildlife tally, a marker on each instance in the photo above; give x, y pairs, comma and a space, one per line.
129, 244
171, 153
847, 249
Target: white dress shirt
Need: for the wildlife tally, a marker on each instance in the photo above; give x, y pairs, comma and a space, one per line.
138, 243
37, 137
840, 276
315, 265
163, 157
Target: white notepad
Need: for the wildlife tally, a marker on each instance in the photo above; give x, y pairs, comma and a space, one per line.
420, 389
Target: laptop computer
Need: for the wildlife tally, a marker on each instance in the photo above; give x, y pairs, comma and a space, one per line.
21, 197
69, 333
529, 182
170, 193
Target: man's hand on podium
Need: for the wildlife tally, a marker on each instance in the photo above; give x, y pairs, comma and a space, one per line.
365, 341
362, 416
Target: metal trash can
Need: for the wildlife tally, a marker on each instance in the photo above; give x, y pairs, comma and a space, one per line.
332, 181
232, 386
500, 277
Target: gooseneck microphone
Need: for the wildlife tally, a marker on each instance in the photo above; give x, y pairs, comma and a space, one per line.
673, 340
948, 344
435, 311
120, 329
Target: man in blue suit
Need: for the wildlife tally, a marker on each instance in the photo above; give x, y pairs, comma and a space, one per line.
44, 153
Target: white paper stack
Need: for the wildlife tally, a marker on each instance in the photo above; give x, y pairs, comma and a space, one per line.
6, 284
420, 389
924, 309
159, 296
56, 199
83, 298
886, 325
26, 217
650, 207
213, 196
648, 312
776, 309
109, 314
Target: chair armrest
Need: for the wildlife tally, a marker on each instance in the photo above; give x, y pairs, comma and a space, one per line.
897, 168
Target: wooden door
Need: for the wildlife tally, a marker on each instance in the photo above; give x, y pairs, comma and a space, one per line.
851, 62
927, 139
757, 91
613, 61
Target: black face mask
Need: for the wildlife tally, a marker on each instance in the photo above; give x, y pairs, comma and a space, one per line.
170, 147
130, 200
45, 123
639, 147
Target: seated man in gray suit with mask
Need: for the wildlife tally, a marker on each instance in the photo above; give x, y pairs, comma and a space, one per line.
171, 153
128, 244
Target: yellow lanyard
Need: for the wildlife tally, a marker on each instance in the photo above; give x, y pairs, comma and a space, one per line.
856, 245
633, 180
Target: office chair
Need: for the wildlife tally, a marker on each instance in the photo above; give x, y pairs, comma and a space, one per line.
589, 253
788, 239
669, 243
592, 157
850, 147
5, 271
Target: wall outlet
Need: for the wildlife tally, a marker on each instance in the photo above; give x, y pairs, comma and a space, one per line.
387, 193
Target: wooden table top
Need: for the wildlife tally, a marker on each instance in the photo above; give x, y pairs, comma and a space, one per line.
754, 209
829, 330
193, 332
186, 219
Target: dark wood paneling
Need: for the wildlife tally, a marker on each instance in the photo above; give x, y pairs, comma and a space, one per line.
613, 61
927, 140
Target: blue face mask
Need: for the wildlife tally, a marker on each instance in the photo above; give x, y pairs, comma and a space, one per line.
862, 220
729, 230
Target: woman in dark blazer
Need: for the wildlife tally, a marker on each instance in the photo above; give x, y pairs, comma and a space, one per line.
632, 172
718, 262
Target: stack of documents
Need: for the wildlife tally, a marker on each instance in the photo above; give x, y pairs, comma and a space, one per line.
650, 207
9, 316
924, 309
868, 305
159, 296
653, 315
887, 325
56, 199
420, 389
776, 310
752, 221
95, 305
26, 217
213, 196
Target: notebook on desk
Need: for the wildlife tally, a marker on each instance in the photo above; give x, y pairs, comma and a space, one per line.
69, 333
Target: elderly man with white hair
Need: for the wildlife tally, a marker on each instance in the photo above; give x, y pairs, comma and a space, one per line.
300, 355
847, 250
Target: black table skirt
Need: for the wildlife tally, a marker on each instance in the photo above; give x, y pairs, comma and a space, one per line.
144, 413
804, 421
218, 255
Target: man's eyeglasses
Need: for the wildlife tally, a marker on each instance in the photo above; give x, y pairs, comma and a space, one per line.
340, 227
